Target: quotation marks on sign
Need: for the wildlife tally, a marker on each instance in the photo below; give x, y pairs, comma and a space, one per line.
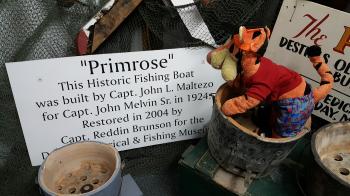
83, 63
171, 56
115, 66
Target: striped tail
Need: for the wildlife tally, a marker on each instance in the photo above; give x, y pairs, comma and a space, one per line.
323, 70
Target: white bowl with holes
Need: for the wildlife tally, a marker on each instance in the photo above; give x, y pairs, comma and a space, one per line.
84, 168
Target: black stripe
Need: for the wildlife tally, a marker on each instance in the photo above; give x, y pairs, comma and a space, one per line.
246, 97
324, 82
318, 66
341, 92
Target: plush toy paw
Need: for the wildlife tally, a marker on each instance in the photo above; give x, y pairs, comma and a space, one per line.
217, 57
221, 58
313, 51
229, 68
227, 108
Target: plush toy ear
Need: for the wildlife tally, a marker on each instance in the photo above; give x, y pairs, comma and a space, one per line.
241, 31
256, 45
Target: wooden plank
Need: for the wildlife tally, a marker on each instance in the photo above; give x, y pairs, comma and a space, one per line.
111, 20
103, 24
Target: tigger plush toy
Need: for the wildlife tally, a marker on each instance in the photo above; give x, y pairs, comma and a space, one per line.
292, 101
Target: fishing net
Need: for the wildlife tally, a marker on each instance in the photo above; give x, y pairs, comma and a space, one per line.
38, 29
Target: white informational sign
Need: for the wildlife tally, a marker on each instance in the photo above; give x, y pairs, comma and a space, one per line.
303, 23
129, 100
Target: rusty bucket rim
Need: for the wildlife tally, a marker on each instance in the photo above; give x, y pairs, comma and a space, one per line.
114, 175
317, 156
218, 104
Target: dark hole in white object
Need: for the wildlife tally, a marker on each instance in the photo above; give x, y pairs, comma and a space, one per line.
95, 181
344, 171
338, 157
72, 190
103, 170
86, 188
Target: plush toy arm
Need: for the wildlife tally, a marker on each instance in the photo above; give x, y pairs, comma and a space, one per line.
239, 105
323, 70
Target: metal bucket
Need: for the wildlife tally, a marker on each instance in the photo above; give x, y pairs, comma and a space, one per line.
330, 146
85, 168
237, 148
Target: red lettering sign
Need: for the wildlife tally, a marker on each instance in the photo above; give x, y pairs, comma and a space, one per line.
311, 28
344, 41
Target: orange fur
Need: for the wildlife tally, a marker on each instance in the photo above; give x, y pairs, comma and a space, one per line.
249, 45
239, 105
325, 74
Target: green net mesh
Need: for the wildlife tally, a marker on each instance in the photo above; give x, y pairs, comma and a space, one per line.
38, 29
